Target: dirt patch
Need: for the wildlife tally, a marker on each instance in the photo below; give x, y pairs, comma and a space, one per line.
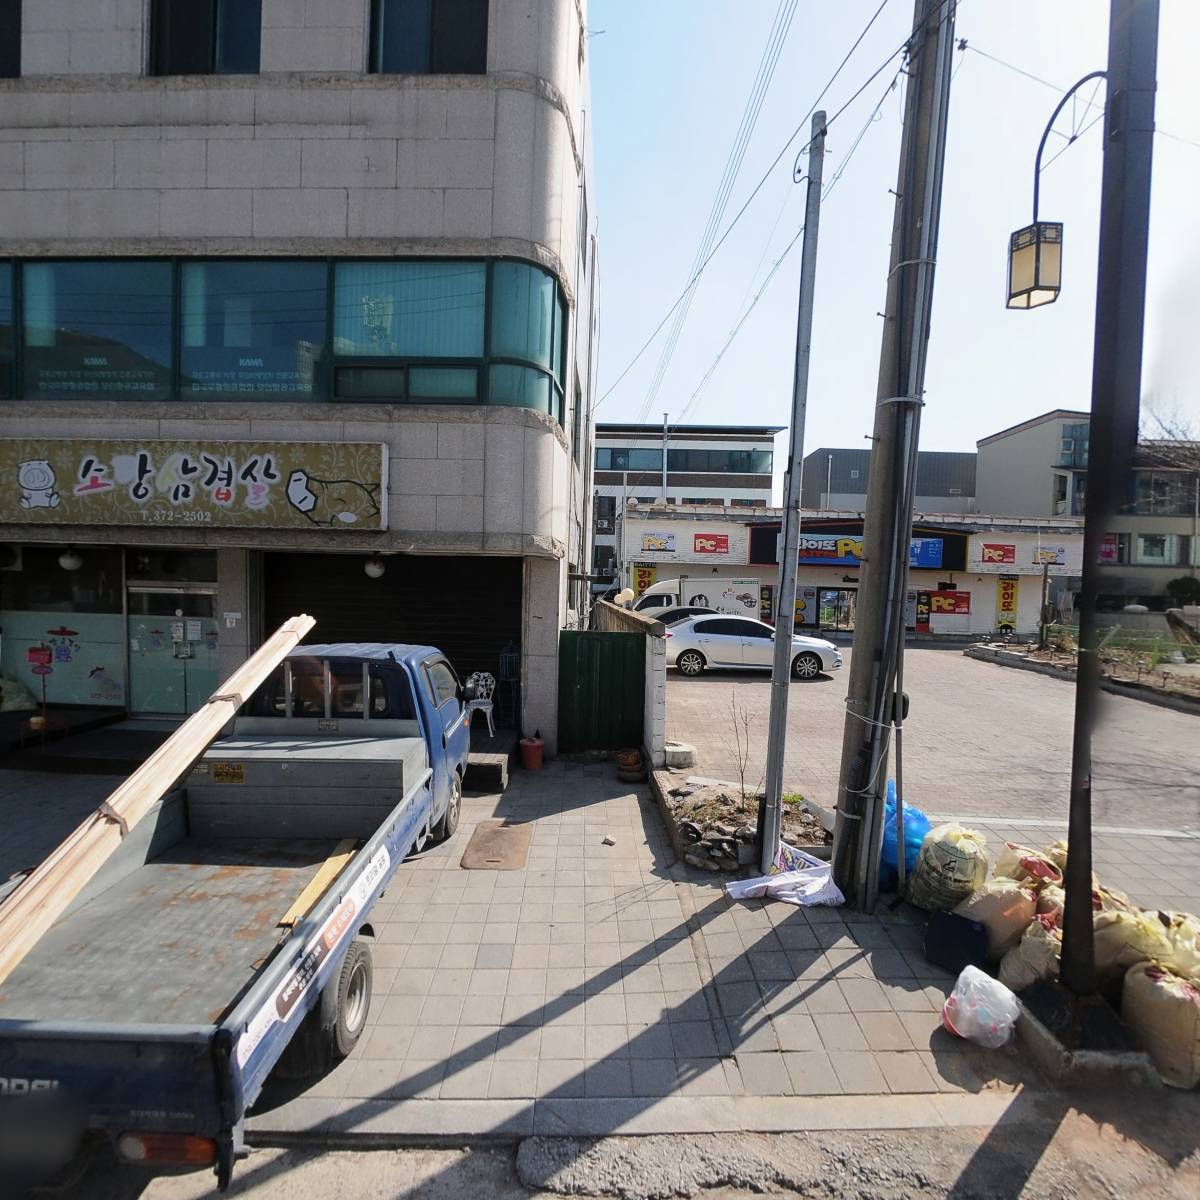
715, 826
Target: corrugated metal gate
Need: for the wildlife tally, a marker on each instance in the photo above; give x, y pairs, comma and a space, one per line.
601, 690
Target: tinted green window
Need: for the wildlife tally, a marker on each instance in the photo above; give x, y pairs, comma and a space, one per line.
560, 338
522, 313
519, 387
6, 331
252, 328
409, 309
99, 329
443, 383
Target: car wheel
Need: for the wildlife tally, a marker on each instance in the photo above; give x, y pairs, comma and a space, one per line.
443, 831
806, 666
690, 662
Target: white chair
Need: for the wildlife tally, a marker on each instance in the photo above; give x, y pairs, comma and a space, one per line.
483, 686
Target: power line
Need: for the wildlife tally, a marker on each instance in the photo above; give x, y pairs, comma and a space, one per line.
733, 164
758, 187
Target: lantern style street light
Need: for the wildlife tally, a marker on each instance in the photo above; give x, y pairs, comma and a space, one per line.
1035, 252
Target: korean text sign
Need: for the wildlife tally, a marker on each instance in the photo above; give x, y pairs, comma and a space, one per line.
273, 485
845, 550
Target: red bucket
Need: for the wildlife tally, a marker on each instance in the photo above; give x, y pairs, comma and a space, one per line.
531, 753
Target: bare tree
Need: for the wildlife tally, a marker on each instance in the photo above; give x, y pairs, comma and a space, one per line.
741, 720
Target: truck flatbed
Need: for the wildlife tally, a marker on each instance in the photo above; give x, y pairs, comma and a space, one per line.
175, 942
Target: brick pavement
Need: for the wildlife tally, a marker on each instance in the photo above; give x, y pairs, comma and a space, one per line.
989, 744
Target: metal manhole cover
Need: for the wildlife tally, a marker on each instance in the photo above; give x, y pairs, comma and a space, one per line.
495, 846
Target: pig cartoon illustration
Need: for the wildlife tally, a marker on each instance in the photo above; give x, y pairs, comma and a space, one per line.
331, 501
36, 479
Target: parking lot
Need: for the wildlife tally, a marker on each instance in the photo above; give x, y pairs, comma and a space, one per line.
983, 742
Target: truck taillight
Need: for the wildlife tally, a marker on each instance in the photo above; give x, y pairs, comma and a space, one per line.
182, 1148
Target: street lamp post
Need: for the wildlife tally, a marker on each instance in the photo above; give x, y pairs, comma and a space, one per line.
1116, 389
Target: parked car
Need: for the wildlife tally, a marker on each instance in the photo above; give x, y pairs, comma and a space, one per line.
703, 642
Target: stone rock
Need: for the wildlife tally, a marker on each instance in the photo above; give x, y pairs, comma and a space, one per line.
682, 792
705, 864
745, 833
690, 830
725, 798
727, 864
724, 831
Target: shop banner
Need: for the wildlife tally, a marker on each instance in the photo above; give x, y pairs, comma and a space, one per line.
841, 550
1054, 555
643, 577
957, 603
995, 553
658, 541
263, 484
710, 543
1007, 593
1109, 552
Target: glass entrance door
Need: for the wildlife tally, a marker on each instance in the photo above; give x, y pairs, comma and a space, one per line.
837, 607
172, 649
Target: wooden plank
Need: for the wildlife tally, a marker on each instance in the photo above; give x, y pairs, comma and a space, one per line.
42, 896
343, 852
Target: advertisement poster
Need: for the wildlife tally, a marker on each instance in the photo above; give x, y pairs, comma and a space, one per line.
957, 603
1055, 555
806, 606
267, 484
994, 553
710, 543
737, 597
842, 550
658, 541
1007, 592
643, 577
766, 604
923, 607
1108, 549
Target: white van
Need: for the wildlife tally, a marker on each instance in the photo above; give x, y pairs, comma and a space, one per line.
734, 597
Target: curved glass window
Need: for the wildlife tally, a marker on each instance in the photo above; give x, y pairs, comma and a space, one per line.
6, 331
409, 309
519, 387
523, 313
99, 329
251, 327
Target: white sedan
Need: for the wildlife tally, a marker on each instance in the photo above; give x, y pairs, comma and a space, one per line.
743, 643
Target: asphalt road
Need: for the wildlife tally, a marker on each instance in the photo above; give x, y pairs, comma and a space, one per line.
981, 740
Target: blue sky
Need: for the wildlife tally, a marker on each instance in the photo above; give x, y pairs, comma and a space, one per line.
669, 83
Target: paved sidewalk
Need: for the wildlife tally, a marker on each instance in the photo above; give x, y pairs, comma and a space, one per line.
605, 988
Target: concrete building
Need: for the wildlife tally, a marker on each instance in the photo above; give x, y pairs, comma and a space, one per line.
1039, 469
297, 313
837, 479
967, 574
708, 466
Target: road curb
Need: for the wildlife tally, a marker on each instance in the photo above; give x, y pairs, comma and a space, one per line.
1132, 691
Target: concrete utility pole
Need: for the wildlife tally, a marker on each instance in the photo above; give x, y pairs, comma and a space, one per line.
873, 700
785, 613
1116, 392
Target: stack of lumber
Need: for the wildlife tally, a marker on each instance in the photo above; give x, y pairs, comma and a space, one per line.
40, 899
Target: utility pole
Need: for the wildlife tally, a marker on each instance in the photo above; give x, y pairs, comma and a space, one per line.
874, 699
785, 615
1116, 391
666, 436
1043, 618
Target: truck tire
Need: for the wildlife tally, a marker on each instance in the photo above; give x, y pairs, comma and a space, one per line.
443, 831
345, 1001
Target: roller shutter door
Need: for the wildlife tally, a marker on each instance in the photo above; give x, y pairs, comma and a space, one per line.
470, 608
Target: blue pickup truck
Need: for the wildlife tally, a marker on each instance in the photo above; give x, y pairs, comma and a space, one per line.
231, 929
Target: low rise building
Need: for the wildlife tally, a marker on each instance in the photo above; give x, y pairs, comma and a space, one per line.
837, 479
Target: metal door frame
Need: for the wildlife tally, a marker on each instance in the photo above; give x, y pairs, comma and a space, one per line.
177, 588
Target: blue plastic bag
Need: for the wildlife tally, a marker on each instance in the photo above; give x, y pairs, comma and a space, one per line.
916, 826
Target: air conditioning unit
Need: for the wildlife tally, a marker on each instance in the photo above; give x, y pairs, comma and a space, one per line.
10, 558
603, 525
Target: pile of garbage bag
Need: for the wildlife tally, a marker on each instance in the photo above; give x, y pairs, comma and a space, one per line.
1147, 962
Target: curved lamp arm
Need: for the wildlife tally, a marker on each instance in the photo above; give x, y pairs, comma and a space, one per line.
1037, 166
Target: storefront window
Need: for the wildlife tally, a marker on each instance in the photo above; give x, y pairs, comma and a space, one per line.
43, 585
1156, 549
409, 309
97, 329
252, 328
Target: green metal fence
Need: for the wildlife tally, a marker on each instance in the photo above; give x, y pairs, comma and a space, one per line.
601, 690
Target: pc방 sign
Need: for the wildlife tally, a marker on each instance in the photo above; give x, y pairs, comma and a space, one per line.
711, 543
1007, 591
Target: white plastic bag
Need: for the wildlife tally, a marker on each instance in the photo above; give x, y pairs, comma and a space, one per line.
980, 1009
811, 883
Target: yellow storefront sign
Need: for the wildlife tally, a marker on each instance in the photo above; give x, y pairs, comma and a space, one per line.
1007, 594
201, 483
643, 577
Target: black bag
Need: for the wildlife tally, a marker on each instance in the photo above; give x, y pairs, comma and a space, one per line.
953, 942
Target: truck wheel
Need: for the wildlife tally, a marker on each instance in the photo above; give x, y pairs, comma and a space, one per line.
345, 1000
443, 831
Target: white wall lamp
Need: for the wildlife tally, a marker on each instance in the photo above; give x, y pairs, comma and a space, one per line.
70, 559
375, 567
